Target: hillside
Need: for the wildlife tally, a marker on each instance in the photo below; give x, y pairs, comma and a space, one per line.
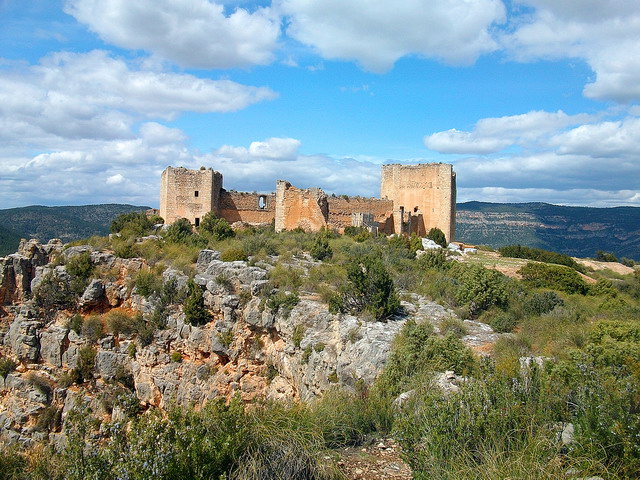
576, 231
66, 223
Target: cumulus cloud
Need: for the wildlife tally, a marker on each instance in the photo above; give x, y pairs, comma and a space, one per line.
491, 135
606, 34
376, 33
97, 96
191, 33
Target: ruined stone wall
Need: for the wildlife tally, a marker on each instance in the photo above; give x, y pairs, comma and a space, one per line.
427, 192
303, 208
245, 207
189, 194
341, 209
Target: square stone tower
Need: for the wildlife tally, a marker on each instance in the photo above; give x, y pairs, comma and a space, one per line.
423, 195
189, 194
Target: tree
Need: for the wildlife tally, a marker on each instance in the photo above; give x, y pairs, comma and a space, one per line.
194, 311
437, 236
218, 228
321, 249
369, 288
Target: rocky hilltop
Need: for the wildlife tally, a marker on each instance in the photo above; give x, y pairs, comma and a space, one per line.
114, 346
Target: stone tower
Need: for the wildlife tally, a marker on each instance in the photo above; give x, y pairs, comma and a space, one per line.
423, 195
189, 194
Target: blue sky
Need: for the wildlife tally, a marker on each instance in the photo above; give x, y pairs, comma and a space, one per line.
533, 100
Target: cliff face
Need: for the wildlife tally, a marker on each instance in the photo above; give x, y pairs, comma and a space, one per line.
246, 349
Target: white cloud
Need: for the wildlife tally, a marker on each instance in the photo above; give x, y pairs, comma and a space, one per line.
377, 33
96, 96
191, 33
491, 135
605, 33
116, 179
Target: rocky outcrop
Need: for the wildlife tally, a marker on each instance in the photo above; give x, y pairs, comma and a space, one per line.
246, 349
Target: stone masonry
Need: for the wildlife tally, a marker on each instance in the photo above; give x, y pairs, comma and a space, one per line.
414, 199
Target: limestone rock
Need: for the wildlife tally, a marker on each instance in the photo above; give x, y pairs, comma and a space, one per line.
53, 344
93, 295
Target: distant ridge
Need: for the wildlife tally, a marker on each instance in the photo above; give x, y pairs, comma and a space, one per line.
576, 231
66, 223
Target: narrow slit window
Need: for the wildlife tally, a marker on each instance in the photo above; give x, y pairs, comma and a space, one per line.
197, 222
262, 202
196, 193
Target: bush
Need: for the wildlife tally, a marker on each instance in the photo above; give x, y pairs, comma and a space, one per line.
543, 302
603, 256
369, 288
134, 223
176, 357
435, 259
540, 255
437, 236
53, 293
233, 254
556, 277
80, 266
147, 283
479, 288
92, 328
282, 303
194, 310
118, 322
217, 228
86, 362
321, 249
7, 366
181, 232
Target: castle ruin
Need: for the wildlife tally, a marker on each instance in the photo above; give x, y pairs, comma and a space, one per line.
413, 199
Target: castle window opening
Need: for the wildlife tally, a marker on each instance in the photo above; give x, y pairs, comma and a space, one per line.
262, 202
196, 193
415, 209
197, 222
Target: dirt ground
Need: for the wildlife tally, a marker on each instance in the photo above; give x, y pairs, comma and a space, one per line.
378, 461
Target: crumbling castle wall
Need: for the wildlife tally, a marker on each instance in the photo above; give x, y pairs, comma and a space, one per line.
189, 194
424, 196
253, 208
341, 210
300, 208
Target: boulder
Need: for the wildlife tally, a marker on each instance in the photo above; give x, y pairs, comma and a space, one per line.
93, 295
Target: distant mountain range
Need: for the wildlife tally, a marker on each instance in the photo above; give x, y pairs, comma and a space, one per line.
66, 223
576, 231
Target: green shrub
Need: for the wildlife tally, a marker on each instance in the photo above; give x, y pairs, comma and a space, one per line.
282, 303
603, 256
181, 232
80, 266
194, 310
118, 322
540, 255
555, 277
233, 254
479, 288
176, 357
541, 303
298, 335
75, 323
454, 326
226, 337
437, 236
54, 292
217, 228
7, 366
503, 322
68, 378
369, 288
49, 419
321, 249
86, 362
92, 328
134, 223
148, 283
435, 259
603, 287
